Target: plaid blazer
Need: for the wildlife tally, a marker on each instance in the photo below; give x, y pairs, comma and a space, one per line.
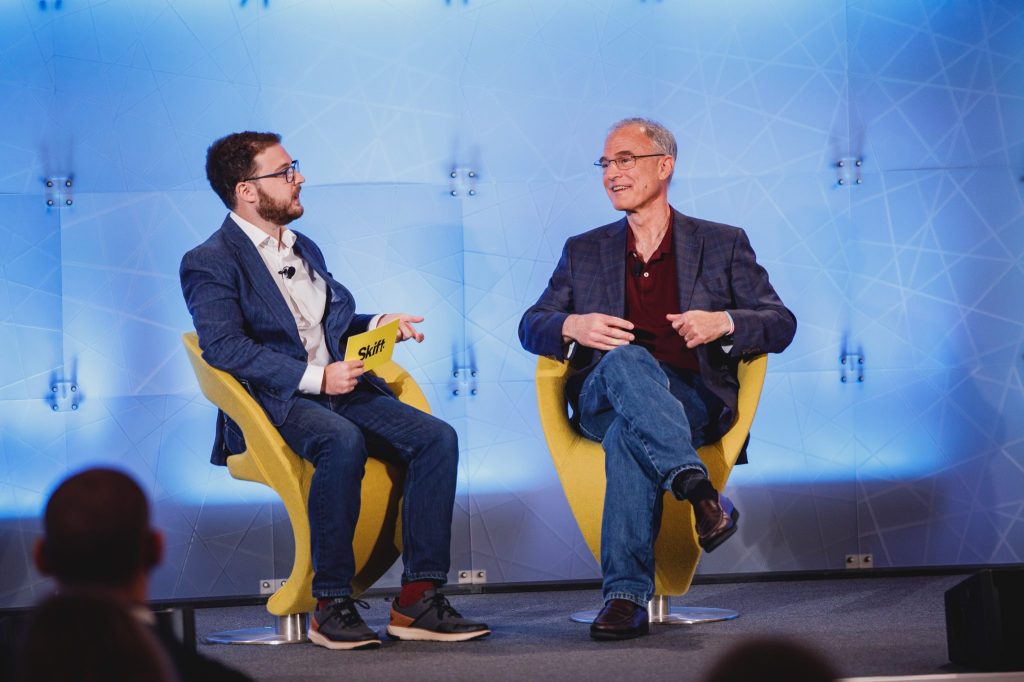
716, 270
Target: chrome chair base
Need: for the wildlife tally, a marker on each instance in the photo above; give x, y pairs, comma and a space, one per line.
290, 629
661, 611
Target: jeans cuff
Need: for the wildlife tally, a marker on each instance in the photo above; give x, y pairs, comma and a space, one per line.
640, 601
332, 593
436, 576
667, 483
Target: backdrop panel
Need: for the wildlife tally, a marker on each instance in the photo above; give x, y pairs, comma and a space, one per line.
447, 148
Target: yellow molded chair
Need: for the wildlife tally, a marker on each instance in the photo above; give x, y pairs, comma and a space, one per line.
580, 466
269, 460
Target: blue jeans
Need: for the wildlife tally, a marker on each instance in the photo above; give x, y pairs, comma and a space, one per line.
650, 419
336, 433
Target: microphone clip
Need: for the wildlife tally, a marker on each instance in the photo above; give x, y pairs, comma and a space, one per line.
288, 271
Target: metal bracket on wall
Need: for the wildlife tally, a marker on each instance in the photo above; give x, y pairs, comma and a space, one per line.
271, 585
472, 577
59, 192
848, 171
859, 561
64, 396
462, 182
851, 368
465, 381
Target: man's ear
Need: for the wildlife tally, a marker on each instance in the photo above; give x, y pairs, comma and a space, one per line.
665, 168
39, 556
245, 192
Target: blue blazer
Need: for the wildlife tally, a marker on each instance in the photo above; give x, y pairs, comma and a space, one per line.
716, 270
246, 328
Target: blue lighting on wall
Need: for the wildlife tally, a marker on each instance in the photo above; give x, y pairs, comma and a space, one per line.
912, 263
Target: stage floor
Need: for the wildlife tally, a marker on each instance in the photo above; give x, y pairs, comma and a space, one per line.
868, 627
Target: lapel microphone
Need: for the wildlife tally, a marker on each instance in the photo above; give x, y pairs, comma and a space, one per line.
288, 272
638, 267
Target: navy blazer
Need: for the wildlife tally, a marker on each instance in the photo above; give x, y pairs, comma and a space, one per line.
246, 328
716, 270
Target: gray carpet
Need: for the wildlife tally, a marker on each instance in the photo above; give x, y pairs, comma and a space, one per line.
877, 626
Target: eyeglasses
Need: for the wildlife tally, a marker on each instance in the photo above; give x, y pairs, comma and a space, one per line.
624, 162
288, 173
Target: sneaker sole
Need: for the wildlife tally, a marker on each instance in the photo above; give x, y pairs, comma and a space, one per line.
318, 639
421, 635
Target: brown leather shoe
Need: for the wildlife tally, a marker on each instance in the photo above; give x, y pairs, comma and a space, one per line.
619, 619
716, 521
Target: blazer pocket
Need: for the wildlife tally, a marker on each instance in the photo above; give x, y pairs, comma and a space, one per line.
713, 293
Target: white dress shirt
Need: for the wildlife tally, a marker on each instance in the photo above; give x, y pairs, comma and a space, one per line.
305, 294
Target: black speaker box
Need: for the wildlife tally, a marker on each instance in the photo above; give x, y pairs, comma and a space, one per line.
985, 620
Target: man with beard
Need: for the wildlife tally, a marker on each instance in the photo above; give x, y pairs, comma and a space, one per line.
268, 311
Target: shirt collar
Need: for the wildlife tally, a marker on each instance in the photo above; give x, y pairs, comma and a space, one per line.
258, 236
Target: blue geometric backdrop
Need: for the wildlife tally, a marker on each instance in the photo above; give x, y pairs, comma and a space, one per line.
914, 263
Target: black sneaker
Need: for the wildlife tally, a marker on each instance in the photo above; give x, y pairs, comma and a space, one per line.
339, 626
432, 619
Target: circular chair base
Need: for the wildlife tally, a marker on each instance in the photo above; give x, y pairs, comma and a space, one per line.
290, 629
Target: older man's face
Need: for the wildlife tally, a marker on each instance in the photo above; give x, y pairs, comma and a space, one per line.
643, 185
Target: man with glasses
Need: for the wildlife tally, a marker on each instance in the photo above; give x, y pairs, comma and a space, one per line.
268, 311
653, 312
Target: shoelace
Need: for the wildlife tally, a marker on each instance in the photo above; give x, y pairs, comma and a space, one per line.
345, 610
443, 607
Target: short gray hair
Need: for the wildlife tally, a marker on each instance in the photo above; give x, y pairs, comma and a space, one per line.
661, 136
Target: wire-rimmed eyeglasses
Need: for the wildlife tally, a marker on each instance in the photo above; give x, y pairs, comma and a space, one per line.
288, 173
624, 162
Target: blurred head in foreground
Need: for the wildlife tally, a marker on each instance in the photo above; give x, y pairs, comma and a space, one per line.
771, 658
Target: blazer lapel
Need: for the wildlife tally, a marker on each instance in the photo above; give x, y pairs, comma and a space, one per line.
256, 271
613, 267
340, 304
689, 248
307, 254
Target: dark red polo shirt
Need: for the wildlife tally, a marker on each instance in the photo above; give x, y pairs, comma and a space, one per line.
652, 291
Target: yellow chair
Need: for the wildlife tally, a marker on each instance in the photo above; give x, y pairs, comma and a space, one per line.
268, 460
580, 466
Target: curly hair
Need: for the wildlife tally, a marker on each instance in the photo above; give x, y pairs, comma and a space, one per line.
232, 158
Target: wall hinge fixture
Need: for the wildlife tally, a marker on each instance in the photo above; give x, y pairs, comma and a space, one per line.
859, 561
271, 585
471, 577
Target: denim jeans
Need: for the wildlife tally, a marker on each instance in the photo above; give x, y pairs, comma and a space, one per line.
336, 433
650, 420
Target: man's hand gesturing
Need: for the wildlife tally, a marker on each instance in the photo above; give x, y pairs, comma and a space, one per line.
341, 377
596, 330
406, 326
